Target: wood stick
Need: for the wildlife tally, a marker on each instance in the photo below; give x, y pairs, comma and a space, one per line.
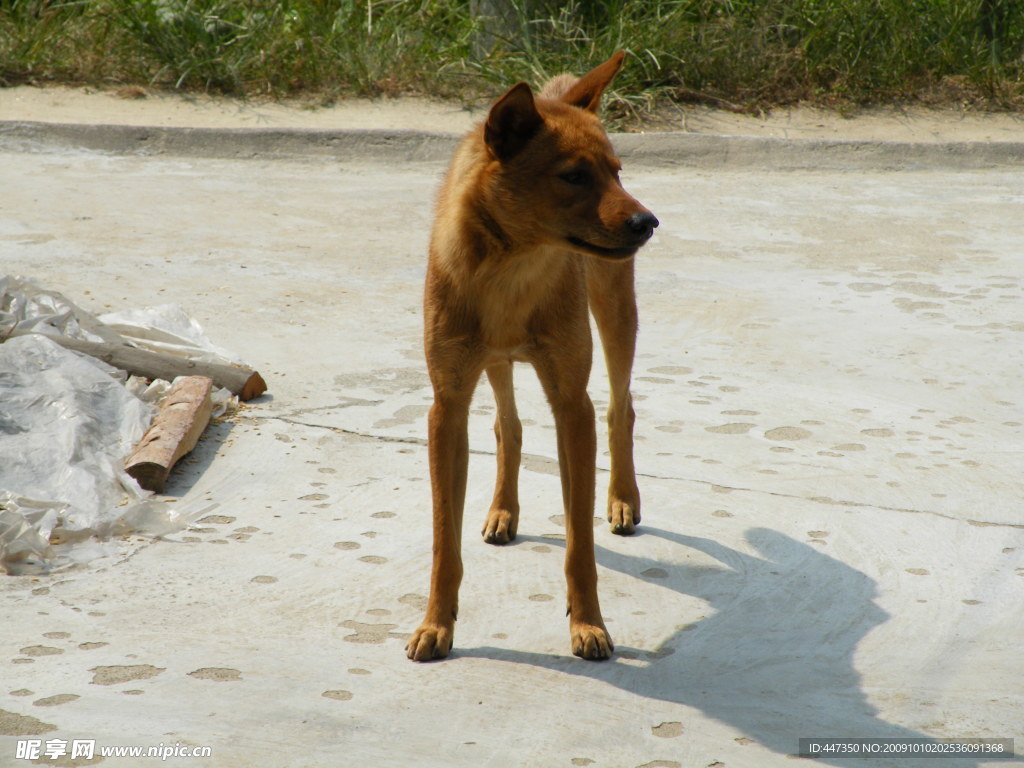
244, 382
184, 414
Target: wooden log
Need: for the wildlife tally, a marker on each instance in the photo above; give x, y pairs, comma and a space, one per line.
183, 415
244, 382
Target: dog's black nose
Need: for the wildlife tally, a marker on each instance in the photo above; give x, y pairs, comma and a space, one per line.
642, 224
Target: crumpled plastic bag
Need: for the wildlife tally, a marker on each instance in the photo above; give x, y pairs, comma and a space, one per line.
167, 329
30, 307
67, 422
66, 425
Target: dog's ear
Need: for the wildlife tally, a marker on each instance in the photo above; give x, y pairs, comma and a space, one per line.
586, 92
512, 122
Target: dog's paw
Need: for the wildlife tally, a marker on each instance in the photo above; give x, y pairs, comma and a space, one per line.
623, 516
429, 642
500, 527
591, 642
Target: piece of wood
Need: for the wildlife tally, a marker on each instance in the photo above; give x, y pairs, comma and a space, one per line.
183, 415
244, 382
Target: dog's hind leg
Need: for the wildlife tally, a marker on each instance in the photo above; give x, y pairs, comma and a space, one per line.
503, 517
612, 300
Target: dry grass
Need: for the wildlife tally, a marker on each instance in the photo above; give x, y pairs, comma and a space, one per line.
738, 54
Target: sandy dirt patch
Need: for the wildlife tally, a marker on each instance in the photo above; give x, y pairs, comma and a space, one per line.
138, 107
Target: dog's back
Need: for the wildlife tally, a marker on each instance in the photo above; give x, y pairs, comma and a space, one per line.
557, 86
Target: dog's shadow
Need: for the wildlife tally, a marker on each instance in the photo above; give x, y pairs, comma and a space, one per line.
775, 659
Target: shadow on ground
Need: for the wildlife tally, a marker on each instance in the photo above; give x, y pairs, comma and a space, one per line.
194, 465
775, 659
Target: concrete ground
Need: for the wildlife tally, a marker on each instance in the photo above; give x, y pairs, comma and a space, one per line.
829, 437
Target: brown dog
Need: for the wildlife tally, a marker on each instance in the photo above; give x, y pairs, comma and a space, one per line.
532, 225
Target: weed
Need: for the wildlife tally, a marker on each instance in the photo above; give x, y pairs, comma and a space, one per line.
740, 54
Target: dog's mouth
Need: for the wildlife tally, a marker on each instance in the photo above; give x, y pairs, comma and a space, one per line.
605, 253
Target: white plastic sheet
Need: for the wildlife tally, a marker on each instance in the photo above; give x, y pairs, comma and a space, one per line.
67, 421
33, 308
167, 329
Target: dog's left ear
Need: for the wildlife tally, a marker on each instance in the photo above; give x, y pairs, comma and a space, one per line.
586, 92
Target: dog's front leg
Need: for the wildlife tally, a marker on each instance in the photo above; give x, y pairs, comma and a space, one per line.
565, 383
612, 301
448, 448
577, 439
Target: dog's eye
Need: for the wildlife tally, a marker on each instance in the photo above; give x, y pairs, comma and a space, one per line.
575, 177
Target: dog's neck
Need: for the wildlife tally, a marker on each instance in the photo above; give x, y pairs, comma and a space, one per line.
492, 229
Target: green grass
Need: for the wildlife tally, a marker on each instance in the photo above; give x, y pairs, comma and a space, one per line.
742, 54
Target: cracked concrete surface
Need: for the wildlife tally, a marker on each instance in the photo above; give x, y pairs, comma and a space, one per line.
829, 440
534, 461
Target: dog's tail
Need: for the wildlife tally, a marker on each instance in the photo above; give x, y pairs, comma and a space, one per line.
558, 86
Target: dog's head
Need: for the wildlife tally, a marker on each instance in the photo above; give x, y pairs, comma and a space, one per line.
554, 174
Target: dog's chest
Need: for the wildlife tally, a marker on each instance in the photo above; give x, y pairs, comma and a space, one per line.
514, 300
